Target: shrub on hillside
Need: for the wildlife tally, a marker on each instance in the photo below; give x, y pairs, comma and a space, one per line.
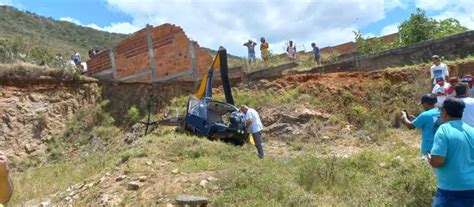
133, 115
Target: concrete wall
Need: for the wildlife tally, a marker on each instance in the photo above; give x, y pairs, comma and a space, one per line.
152, 54
459, 45
276, 71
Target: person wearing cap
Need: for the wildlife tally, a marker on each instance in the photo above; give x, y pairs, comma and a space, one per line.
452, 157
464, 94
440, 91
438, 70
469, 79
450, 92
428, 121
6, 185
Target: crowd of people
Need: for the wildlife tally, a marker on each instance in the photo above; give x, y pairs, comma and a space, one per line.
447, 135
290, 51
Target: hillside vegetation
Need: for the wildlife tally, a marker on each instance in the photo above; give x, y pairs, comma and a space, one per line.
26, 32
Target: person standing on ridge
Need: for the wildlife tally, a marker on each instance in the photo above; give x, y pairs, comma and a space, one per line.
438, 69
428, 122
254, 126
291, 50
251, 50
264, 49
316, 52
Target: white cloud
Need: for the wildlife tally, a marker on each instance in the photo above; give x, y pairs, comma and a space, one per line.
458, 9
70, 19
117, 27
432, 4
6, 2
10, 3
230, 22
389, 29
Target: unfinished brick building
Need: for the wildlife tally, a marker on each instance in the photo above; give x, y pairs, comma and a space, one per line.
152, 54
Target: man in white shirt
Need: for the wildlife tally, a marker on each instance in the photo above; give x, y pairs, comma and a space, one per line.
468, 114
254, 126
440, 91
438, 70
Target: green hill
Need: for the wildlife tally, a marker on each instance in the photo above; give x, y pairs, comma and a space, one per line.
26, 30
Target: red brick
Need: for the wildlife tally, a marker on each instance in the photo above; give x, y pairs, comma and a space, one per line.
171, 47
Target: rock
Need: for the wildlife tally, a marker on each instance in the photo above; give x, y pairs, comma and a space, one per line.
142, 179
34, 97
175, 171
45, 203
149, 163
191, 200
79, 186
120, 178
29, 148
210, 178
203, 183
133, 186
68, 199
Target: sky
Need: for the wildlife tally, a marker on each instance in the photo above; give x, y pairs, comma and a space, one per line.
232, 22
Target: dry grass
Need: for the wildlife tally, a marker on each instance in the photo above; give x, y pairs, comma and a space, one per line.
29, 72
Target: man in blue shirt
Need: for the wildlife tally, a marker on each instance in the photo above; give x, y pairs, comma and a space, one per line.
428, 122
453, 157
254, 126
316, 52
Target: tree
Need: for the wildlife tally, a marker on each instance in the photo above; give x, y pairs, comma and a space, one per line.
416, 29
362, 44
420, 28
372, 45
448, 27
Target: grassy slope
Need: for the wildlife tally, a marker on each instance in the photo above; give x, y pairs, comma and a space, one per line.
371, 177
58, 36
384, 171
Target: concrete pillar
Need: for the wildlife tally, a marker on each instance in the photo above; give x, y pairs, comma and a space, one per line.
192, 54
151, 53
112, 60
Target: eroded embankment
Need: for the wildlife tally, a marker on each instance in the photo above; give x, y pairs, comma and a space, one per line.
33, 112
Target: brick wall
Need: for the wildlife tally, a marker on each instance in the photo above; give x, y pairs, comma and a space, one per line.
152, 54
350, 47
341, 49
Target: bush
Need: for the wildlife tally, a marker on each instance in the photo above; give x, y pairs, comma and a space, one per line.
133, 115
133, 153
357, 115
